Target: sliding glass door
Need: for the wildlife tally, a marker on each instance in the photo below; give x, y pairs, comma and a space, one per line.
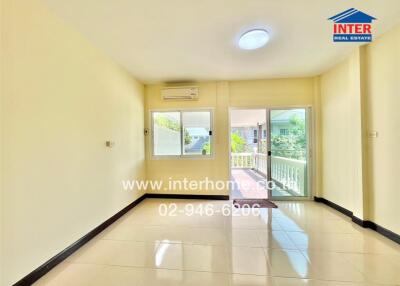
288, 152
269, 153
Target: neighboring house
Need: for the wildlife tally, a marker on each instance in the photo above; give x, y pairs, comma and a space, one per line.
280, 120
250, 135
280, 125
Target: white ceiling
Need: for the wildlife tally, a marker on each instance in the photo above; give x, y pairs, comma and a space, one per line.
186, 40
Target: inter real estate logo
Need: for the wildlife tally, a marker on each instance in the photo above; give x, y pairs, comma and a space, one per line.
352, 26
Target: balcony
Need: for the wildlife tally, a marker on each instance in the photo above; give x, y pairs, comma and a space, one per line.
289, 175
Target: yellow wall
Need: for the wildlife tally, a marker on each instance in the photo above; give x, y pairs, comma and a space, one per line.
221, 96
271, 93
61, 100
360, 96
341, 153
382, 85
215, 168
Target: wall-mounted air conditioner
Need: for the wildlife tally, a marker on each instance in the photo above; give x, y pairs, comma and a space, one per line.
180, 93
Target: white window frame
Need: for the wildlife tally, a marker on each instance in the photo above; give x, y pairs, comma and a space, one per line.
183, 156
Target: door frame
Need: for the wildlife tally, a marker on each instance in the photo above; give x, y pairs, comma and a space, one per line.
310, 125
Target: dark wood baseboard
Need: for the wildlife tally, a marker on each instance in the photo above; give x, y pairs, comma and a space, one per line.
363, 223
191, 197
334, 206
58, 258
385, 232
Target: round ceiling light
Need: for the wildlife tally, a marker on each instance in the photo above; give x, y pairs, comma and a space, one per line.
253, 39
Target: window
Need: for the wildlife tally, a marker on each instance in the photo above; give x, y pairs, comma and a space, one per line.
182, 133
284, 131
255, 136
166, 133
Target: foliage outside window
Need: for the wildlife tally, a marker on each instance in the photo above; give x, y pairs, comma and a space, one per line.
290, 143
293, 145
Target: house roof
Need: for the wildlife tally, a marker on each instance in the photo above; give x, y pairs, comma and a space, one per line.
352, 16
286, 115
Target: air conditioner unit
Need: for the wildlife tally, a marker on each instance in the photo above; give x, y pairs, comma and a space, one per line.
180, 93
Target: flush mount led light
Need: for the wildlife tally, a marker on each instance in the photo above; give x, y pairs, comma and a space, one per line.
253, 39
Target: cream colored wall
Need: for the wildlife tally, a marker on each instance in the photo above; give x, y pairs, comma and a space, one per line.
61, 100
212, 95
359, 96
382, 87
221, 96
341, 136
272, 92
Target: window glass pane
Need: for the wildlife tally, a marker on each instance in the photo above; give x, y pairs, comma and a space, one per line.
196, 132
166, 133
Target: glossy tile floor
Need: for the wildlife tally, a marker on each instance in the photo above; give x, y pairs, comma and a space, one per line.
300, 243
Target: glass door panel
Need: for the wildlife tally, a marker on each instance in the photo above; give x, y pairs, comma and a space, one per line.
289, 152
248, 153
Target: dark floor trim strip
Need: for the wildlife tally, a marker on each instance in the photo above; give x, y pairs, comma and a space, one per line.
194, 197
58, 258
363, 223
333, 205
55, 260
385, 232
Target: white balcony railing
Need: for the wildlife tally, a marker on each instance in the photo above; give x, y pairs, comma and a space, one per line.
287, 173
242, 160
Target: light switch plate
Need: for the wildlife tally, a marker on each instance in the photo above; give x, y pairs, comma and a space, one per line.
373, 134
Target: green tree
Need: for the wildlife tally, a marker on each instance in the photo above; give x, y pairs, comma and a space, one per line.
206, 149
167, 123
294, 144
188, 138
237, 143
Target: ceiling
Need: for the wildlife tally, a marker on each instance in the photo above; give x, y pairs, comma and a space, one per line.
188, 40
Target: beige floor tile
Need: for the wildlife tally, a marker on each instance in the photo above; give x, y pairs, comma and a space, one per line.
288, 263
167, 255
332, 266
122, 276
377, 244
195, 235
334, 226
66, 274
248, 260
128, 276
289, 224
166, 277
252, 222
280, 281
206, 258
300, 243
244, 237
251, 280
136, 233
114, 252
377, 268
343, 242
336, 242
189, 257
275, 239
